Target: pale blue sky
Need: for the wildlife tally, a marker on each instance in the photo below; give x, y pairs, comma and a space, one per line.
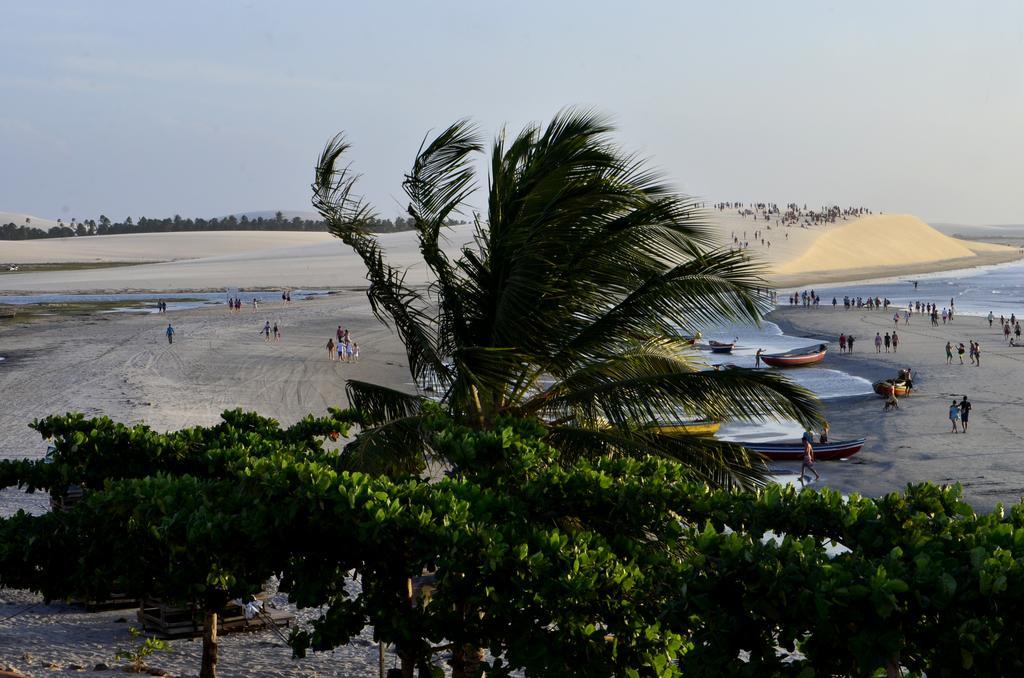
202, 109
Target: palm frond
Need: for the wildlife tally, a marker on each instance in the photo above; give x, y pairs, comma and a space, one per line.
571, 303
379, 404
717, 463
439, 183
396, 448
347, 217
645, 386
713, 288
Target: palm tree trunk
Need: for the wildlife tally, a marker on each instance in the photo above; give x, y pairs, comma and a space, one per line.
209, 667
466, 660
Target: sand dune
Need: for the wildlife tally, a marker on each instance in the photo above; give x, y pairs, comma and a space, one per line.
872, 246
880, 240
19, 219
213, 261
152, 246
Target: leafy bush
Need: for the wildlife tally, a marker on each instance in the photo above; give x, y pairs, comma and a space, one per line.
603, 567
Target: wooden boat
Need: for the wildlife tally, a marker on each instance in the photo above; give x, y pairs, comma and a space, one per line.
796, 358
694, 427
720, 347
891, 386
794, 451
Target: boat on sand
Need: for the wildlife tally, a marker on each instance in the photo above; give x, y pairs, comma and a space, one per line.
891, 387
794, 451
798, 358
720, 347
695, 427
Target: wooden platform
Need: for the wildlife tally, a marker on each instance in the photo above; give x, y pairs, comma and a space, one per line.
169, 622
116, 601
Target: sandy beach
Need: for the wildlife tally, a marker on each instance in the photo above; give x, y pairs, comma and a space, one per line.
121, 365
856, 248
914, 443
861, 248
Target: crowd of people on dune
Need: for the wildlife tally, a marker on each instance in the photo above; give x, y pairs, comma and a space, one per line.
787, 216
793, 214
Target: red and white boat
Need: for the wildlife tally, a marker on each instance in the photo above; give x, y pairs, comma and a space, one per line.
794, 451
796, 358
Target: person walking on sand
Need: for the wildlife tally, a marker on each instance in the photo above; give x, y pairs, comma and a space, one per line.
808, 462
277, 333
878, 342
842, 343
895, 341
849, 343
266, 331
954, 414
990, 318
355, 351
965, 413
949, 353
330, 349
960, 352
888, 342
977, 354
170, 333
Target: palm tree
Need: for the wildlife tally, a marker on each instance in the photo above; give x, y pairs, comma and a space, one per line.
574, 305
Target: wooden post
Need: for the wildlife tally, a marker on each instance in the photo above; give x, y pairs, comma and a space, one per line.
209, 667
408, 664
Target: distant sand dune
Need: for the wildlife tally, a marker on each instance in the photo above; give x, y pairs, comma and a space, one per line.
152, 246
877, 240
872, 246
19, 219
879, 245
208, 261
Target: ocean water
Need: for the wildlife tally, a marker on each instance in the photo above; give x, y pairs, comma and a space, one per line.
828, 383
974, 291
176, 301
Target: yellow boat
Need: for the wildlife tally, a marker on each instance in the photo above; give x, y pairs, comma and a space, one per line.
690, 428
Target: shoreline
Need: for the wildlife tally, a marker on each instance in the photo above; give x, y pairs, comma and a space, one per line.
914, 443
327, 290
825, 279
880, 273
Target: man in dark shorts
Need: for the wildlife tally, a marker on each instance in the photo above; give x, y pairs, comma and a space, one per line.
965, 413
808, 462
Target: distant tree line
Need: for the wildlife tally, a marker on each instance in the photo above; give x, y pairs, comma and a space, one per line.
104, 226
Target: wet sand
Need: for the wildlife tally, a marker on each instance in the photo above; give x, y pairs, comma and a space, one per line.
914, 443
121, 366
